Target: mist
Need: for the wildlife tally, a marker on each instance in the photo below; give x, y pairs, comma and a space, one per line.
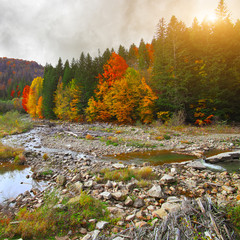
45, 30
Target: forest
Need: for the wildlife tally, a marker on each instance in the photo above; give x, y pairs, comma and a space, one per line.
186, 74
15, 74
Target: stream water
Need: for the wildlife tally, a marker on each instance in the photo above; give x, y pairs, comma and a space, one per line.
14, 180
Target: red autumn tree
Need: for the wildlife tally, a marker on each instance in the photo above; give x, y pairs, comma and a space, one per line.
25, 96
114, 69
12, 93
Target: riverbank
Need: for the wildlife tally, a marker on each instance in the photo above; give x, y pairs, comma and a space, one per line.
136, 194
107, 139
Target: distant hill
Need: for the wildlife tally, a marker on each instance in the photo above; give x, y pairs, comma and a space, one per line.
15, 74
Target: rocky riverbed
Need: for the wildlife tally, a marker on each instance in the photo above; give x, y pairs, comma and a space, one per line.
132, 201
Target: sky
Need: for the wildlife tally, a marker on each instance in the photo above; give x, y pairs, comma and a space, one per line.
45, 30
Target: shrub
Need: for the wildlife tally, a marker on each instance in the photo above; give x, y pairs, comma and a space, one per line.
89, 137
47, 221
234, 215
127, 174
12, 122
45, 157
7, 152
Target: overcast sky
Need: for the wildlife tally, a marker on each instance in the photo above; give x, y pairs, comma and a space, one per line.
45, 30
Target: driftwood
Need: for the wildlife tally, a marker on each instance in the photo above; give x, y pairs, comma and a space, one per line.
197, 219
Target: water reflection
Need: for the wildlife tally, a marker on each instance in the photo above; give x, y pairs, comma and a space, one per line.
154, 157
13, 181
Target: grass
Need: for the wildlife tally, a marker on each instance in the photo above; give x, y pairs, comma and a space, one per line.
7, 152
48, 220
233, 212
138, 144
12, 122
127, 174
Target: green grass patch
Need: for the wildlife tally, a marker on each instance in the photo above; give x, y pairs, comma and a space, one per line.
127, 174
233, 212
7, 152
53, 219
12, 123
139, 144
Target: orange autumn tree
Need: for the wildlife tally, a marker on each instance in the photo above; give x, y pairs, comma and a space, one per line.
114, 70
127, 100
33, 104
25, 96
66, 100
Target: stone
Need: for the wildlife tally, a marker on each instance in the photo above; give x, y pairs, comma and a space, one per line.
155, 191
62, 238
130, 217
95, 234
109, 184
118, 238
88, 184
106, 195
223, 157
130, 186
168, 179
101, 225
74, 200
141, 215
76, 178
196, 165
118, 196
228, 189
128, 201
83, 230
119, 165
61, 180
138, 203
171, 207
173, 199
87, 237
160, 213
78, 186
140, 224
191, 184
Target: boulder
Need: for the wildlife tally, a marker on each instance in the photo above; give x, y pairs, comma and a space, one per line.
196, 165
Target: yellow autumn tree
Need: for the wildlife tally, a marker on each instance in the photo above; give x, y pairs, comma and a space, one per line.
34, 106
39, 107
127, 100
66, 100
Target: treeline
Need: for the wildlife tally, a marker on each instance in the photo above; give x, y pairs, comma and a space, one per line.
188, 72
15, 74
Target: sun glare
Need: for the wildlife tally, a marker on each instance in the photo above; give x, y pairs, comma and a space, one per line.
209, 17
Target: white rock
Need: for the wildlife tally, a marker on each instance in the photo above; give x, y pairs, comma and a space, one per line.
106, 195
118, 196
155, 192
101, 225
130, 217
88, 184
167, 178
118, 165
118, 238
